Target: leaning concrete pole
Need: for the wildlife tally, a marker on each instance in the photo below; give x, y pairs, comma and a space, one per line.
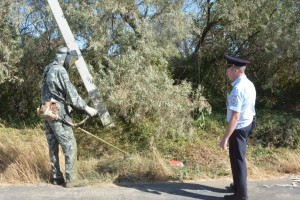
68, 36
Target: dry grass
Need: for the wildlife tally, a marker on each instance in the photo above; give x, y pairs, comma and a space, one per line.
24, 158
290, 162
203, 159
273, 163
136, 168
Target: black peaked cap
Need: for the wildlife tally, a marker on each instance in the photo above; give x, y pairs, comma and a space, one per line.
236, 61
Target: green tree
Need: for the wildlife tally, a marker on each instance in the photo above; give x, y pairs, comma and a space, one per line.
34, 40
128, 45
166, 44
265, 32
10, 52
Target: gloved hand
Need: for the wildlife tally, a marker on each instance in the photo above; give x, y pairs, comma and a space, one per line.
111, 125
90, 111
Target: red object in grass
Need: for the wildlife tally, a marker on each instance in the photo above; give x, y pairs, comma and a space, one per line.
175, 163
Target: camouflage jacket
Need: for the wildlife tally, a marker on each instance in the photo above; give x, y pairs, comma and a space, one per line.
57, 85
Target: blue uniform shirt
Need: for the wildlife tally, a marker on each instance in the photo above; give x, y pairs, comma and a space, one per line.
242, 99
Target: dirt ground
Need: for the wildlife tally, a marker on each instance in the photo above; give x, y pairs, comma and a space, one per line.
284, 188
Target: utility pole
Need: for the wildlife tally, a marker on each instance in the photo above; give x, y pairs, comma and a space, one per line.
87, 78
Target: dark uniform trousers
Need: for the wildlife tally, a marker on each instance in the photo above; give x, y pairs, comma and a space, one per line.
237, 151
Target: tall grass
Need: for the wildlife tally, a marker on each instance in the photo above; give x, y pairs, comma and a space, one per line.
23, 156
271, 162
136, 168
24, 159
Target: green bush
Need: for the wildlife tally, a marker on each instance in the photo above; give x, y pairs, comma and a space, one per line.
278, 130
142, 93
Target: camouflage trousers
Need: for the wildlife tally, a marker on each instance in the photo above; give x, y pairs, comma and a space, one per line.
57, 134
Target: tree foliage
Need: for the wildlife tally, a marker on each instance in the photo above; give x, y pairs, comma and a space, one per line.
10, 53
265, 32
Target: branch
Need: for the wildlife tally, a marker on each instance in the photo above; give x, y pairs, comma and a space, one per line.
209, 25
160, 12
247, 40
131, 22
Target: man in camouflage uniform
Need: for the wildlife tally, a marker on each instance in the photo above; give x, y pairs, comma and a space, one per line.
57, 87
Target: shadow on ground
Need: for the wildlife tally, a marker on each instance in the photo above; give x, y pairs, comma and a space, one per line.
191, 190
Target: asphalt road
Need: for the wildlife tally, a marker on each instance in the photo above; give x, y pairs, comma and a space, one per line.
286, 188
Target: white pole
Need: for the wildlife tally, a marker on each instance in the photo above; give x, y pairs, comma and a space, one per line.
80, 63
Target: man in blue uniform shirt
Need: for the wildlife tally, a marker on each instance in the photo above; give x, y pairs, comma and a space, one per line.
241, 120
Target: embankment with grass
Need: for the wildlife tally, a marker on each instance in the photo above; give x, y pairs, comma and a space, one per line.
24, 154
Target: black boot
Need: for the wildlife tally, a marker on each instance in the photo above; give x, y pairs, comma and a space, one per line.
231, 188
58, 181
230, 197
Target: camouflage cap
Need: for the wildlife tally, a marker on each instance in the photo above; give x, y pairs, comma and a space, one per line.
61, 54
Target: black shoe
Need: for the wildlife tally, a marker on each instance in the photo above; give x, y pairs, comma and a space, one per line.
234, 197
58, 181
231, 187
229, 197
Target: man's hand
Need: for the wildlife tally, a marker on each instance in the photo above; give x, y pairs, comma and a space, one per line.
223, 143
230, 128
90, 111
